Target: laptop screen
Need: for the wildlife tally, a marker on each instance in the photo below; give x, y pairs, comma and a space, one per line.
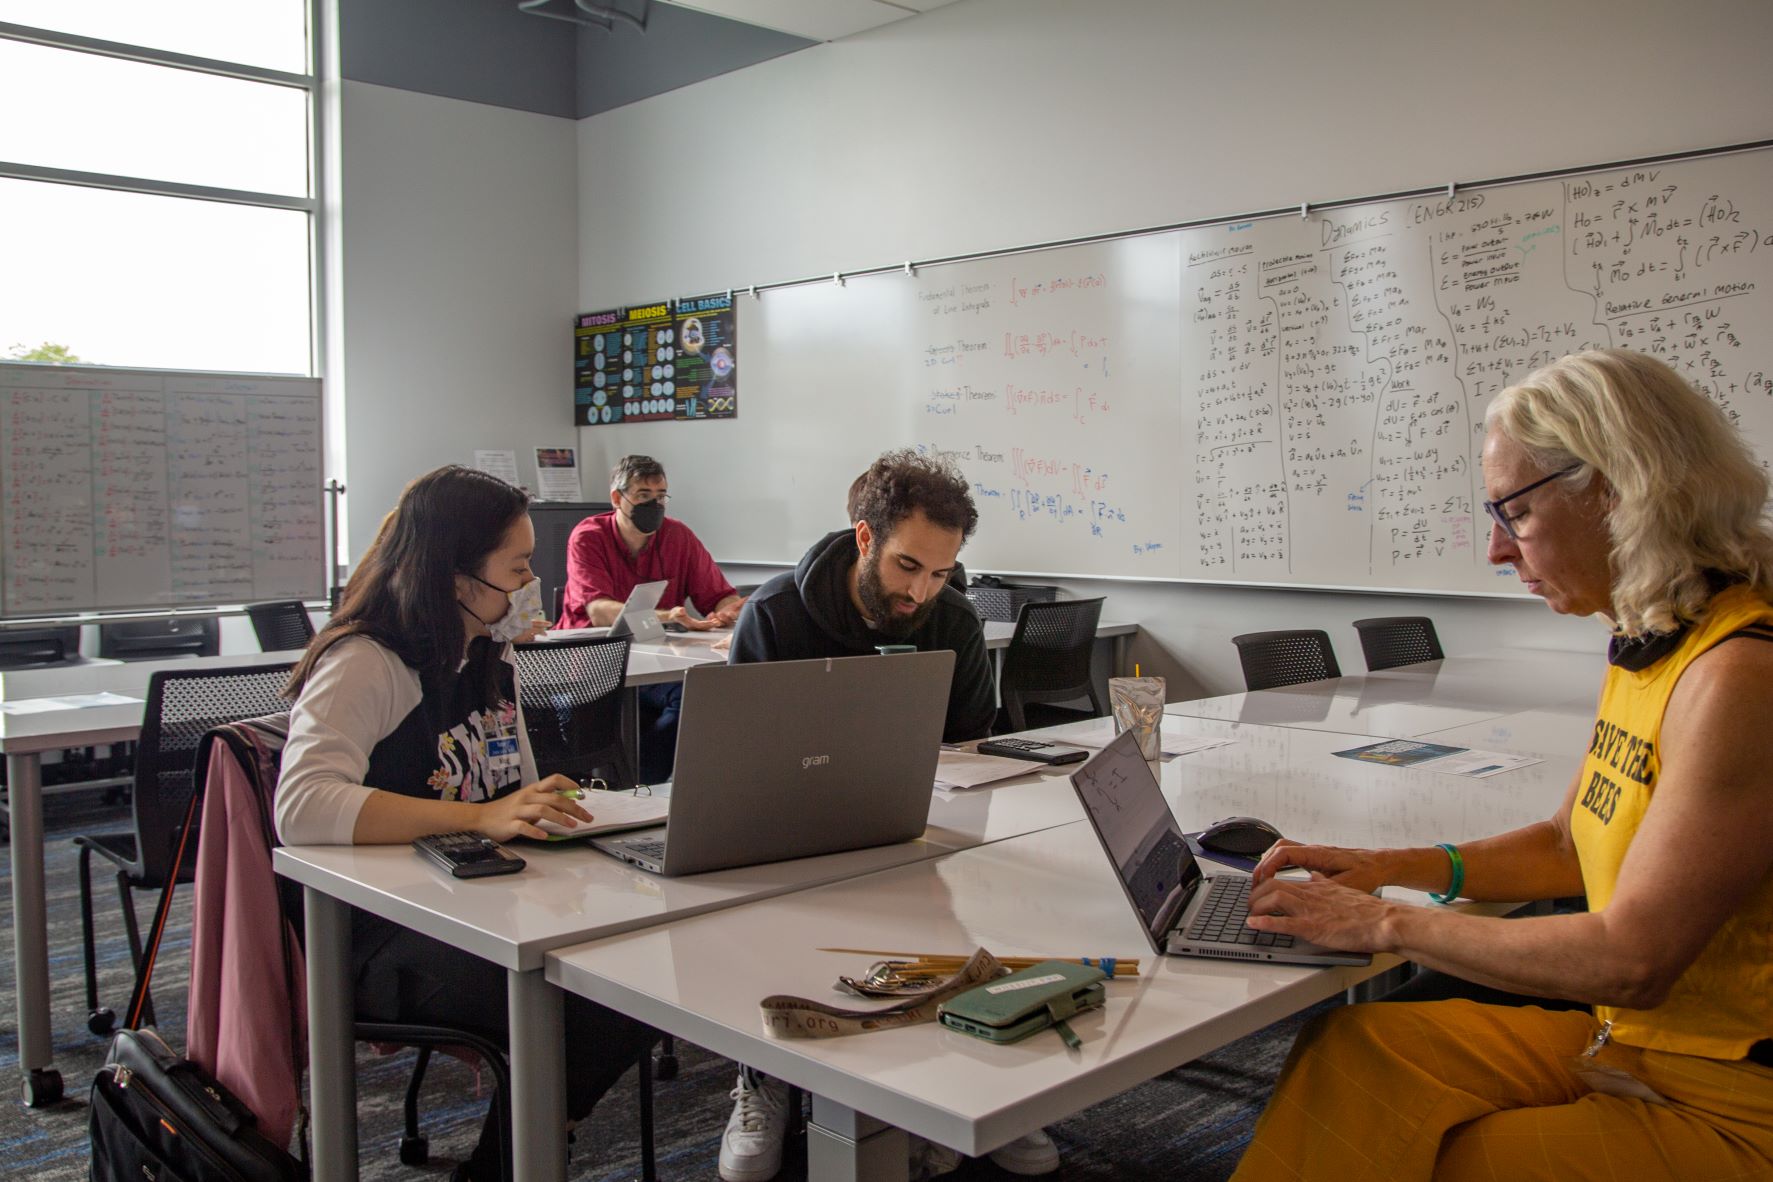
1137, 829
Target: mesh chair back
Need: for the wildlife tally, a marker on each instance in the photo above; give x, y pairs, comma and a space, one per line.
26, 648
281, 627
182, 705
572, 707
1274, 659
1390, 641
1049, 656
148, 640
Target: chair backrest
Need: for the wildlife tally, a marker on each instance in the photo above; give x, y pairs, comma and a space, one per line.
26, 648
1274, 659
1390, 641
283, 626
1050, 649
182, 705
148, 640
572, 707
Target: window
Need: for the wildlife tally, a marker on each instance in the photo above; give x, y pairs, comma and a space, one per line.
158, 188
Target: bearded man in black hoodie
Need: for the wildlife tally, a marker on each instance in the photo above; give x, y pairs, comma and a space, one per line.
884, 581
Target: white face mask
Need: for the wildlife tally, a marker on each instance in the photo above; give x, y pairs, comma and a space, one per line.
523, 613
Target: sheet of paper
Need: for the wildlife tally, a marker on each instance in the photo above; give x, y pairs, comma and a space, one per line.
557, 474
968, 769
1438, 757
1478, 764
67, 702
31, 706
102, 698
612, 812
497, 462
1101, 732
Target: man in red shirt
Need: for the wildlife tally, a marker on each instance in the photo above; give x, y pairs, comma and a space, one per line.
609, 554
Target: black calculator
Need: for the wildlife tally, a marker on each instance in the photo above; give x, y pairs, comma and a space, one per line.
468, 854
1033, 749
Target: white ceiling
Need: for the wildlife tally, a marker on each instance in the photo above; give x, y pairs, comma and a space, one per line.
816, 20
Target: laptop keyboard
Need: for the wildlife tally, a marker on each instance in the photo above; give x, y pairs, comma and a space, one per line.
1221, 917
646, 847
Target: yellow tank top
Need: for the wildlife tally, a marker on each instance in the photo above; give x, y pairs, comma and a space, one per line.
1724, 1001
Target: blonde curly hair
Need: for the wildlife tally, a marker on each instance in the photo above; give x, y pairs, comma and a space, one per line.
1689, 495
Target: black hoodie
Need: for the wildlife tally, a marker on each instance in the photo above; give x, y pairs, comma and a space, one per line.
809, 614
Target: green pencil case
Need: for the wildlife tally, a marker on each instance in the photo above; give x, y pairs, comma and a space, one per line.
1011, 1008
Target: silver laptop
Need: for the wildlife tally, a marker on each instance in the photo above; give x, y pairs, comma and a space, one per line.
640, 617
1184, 911
795, 758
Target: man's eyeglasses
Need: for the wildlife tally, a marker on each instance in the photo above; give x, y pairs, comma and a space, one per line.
646, 498
1500, 515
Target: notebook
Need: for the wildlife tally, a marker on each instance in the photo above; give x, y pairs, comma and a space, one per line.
795, 758
1184, 911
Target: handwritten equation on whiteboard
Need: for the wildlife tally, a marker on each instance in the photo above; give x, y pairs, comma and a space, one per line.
130, 489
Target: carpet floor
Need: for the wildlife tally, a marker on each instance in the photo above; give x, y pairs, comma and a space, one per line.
1189, 1125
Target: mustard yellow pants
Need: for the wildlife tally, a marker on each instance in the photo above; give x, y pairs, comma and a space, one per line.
1464, 1092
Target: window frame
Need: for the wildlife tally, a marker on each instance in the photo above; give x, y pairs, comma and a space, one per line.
311, 205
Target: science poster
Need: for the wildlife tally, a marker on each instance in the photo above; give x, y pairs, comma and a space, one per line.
707, 358
597, 368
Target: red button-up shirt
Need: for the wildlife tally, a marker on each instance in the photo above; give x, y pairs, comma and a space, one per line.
600, 566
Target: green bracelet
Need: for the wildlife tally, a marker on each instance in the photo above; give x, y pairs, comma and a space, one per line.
1458, 882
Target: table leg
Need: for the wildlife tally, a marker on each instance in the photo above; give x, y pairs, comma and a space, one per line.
843, 1145
332, 1065
41, 1083
538, 1077
1118, 662
631, 728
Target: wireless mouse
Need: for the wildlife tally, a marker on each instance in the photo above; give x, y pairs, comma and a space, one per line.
1247, 837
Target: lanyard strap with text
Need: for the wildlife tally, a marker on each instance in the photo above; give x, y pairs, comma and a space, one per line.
800, 1017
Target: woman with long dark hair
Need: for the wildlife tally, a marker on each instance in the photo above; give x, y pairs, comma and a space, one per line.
406, 723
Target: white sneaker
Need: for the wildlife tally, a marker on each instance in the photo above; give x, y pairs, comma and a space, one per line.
1033, 1154
930, 1160
751, 1151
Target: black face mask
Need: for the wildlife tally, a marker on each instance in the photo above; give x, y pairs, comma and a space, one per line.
646, 516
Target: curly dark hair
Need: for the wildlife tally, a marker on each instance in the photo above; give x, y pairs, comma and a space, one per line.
905, 481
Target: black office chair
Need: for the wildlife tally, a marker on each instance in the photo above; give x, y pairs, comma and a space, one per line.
181, 707
1390, 641
1048, 660
36, 648
152, 640
281, 627
1274, 659
572, 714
572, 707
244, 739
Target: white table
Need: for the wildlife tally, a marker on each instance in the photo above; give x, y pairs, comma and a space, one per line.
23, 739
1050, 892
568, 893
1415, 700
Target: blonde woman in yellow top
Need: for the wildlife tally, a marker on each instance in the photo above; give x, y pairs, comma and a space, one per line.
1617, 491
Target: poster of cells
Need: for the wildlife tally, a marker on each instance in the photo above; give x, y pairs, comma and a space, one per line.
662, 362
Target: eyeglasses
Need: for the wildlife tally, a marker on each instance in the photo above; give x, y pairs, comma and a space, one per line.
646, 498
1500, 516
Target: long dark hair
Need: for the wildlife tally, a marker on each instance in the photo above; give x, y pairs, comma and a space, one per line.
403, 593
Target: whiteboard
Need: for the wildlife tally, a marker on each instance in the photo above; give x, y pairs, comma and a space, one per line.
144, 489
1284, 401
